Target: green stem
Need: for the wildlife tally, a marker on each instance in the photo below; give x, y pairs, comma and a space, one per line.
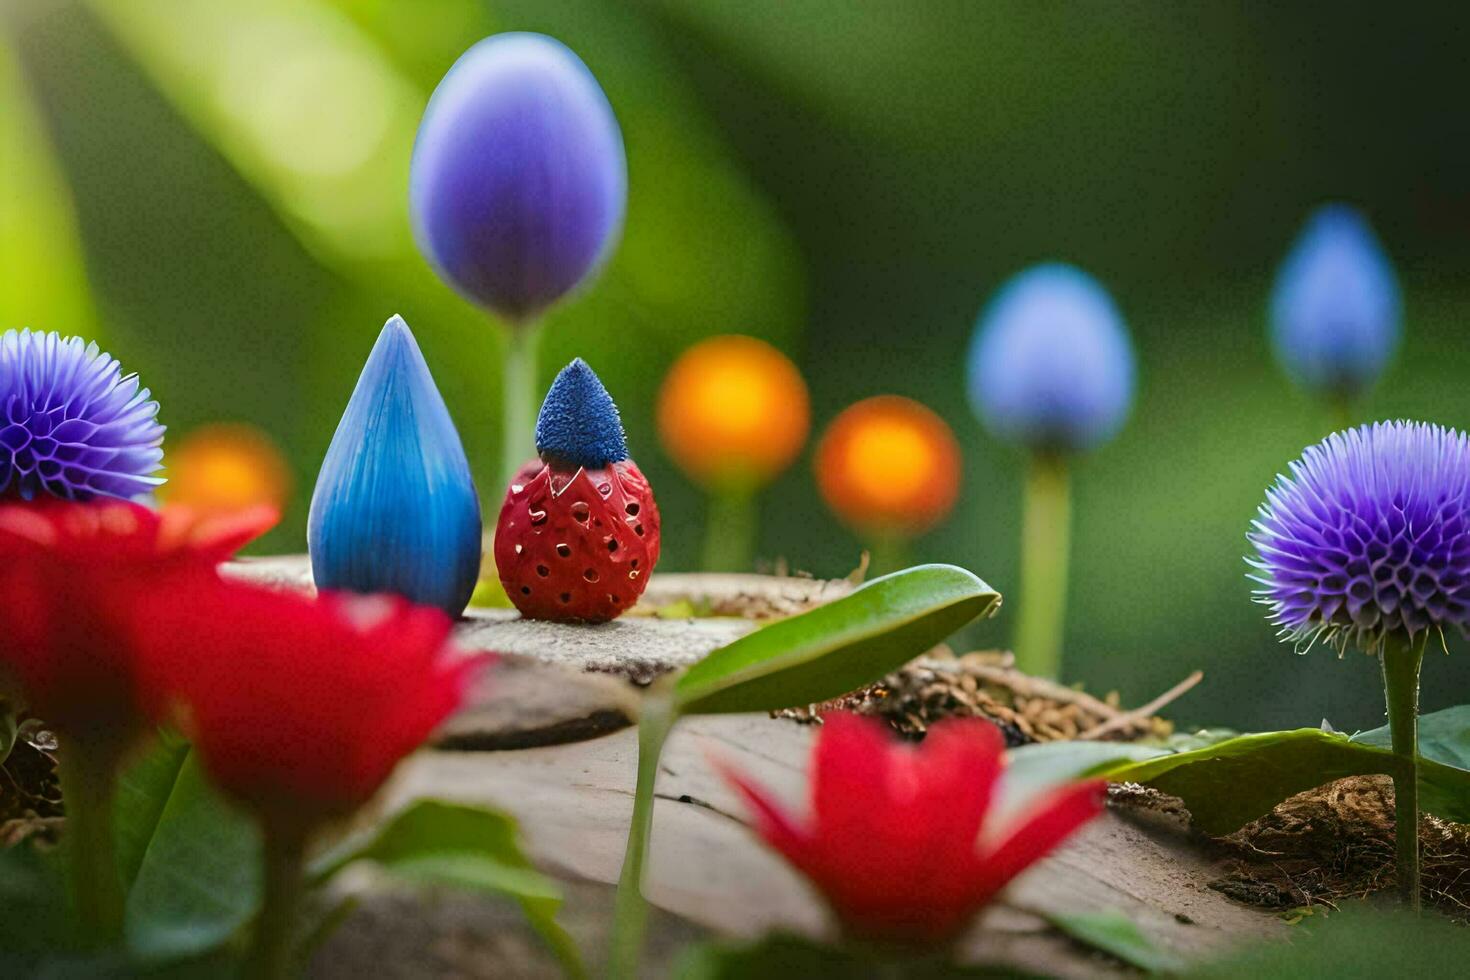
1340, 413
729, 533
275, 930
630, 910
1402, 658
887, 553
1045, 542
87, 785
519, 386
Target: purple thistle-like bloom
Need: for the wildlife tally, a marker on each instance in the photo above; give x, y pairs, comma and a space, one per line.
1369, 535
72, 425
519, 180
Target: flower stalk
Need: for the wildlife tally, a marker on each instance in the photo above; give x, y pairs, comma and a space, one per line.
630, 909
1402, 658
520, 398
87, 785
271, 956
1045, 546
729, 534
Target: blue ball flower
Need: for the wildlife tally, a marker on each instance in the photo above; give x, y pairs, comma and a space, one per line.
1051, 365
395, 508
72, 425
579, 423
518, 183
1335, 310
1368, 535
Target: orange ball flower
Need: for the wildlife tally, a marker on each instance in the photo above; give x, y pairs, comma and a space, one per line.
226, 467
888, 465
733, 412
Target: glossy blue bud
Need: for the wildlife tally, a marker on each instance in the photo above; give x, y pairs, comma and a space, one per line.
1335, 311
1051, 366
579, 424
519, 181
394, 508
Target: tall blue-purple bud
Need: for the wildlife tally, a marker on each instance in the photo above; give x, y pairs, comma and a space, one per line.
72, 425
519, 181
1051, 366
1335, 310
394, 508
579, 423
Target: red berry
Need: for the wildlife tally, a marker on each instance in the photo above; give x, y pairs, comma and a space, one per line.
576, 545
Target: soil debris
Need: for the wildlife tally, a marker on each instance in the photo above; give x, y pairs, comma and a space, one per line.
985, 684
754, 597
30, 793
1335, 843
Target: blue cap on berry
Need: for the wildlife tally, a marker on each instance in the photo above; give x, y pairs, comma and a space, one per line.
579, 424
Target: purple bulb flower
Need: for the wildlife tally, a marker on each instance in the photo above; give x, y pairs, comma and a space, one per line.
72, 425
1051, 365
1335, 309
519, 182
1369, 535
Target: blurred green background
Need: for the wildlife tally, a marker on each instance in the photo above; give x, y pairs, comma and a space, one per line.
216, 191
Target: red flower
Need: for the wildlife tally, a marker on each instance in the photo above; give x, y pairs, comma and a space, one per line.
299, 707
894, 841
73, 578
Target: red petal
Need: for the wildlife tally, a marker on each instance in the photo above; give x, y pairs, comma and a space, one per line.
956, 770
772, 821
1033, 836
850, 778
218, 536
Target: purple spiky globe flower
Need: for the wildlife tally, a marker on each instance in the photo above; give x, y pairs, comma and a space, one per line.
519, 180
1368, 535
72, 425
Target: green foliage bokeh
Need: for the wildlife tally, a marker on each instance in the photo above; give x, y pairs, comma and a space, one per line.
850, 183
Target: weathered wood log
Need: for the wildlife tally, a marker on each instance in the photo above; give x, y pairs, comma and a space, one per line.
574, 802
559, 682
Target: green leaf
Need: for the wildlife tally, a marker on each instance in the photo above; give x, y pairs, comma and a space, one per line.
1356, 942
1033, 769
784, 955
1231, 783
434, 841
33, 897
9, 728
838, 647
1117, 935
143, 791
1444, 737
198, 873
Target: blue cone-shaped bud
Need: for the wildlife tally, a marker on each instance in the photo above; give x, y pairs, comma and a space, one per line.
1335, 311
579, 424
519, 181
1051, 366
394, 508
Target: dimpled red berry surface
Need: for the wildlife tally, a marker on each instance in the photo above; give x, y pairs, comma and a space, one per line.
578, 533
